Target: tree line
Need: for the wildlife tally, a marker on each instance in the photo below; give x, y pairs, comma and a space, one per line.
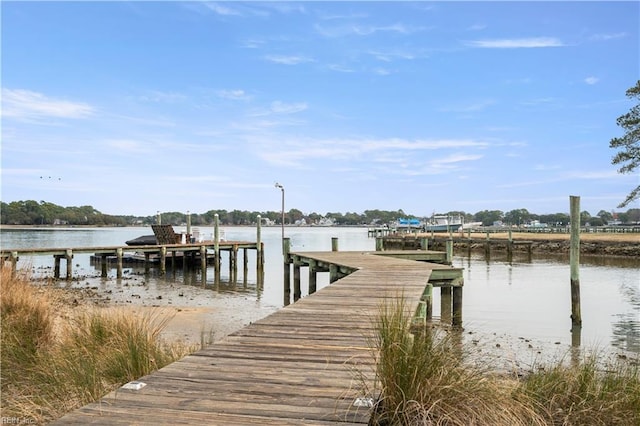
44, 213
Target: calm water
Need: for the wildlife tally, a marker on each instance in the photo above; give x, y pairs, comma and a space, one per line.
524, 298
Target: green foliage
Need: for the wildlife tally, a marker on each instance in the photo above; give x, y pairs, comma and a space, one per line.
43, 213
628, 156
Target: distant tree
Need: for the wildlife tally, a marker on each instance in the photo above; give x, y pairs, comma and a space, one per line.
629, 157
517, 217
605, 216
488, 217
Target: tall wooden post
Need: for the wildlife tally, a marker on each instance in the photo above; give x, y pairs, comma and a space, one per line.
286, 246
457, 307
163, 260
259, 243
574, 259
313, 283
296, 279
449, 246
103, 265
119, 262
379, 244
69, 257
216, 243
334, 243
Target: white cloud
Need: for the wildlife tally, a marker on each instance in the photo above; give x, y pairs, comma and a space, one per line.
278, 107
235, 95
364, 30
606, 37
516, 43
26, 104
591, 80
222, 9
288, 60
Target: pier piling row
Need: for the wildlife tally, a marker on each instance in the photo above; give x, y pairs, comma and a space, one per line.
160, 254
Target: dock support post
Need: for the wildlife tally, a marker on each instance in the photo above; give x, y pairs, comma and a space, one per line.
509, 246
449, 259
245, 264
445, 304
424, 243
69, 258
296, 280
146, 262
163, 260
216, 243
203, 263
457, 307
574, 259
333, 273
312, 277
103, 265
334, 243
56, 267
286, 245
14, 263
259, 259
379, 244
261, 268
233, 263
427, 299
119, 262
487, 247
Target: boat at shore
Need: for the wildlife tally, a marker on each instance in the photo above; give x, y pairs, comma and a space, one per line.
444, 223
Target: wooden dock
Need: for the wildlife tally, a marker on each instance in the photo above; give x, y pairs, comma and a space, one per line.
310, 363
164, 254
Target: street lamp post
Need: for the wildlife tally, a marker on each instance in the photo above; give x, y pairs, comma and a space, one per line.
282, 225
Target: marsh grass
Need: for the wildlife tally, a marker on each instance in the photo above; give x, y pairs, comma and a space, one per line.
52, 364
425, 377
594, 391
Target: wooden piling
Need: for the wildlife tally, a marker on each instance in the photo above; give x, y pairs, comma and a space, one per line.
312, 277
103, 265
445, 304
69, 258
456, 320
334, 243
163, 260
574, 260
119, 261
203, 263
449, 259
286, 246
296, 280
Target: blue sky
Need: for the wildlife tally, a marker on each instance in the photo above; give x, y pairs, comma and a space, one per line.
135, 107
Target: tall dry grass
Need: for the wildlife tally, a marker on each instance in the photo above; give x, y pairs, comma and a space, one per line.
52, 364
423, 378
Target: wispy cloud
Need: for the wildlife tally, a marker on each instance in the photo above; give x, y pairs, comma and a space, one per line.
162, 97
29, 105
516, 43
364, 30
591, 80
221, 9
470, 107
288, 59
278, 107
606, 37
234, 95
389, 56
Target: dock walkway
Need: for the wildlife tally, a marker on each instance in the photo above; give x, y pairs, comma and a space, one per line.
303, 365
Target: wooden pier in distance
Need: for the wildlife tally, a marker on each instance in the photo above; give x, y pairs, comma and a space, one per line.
310, 363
